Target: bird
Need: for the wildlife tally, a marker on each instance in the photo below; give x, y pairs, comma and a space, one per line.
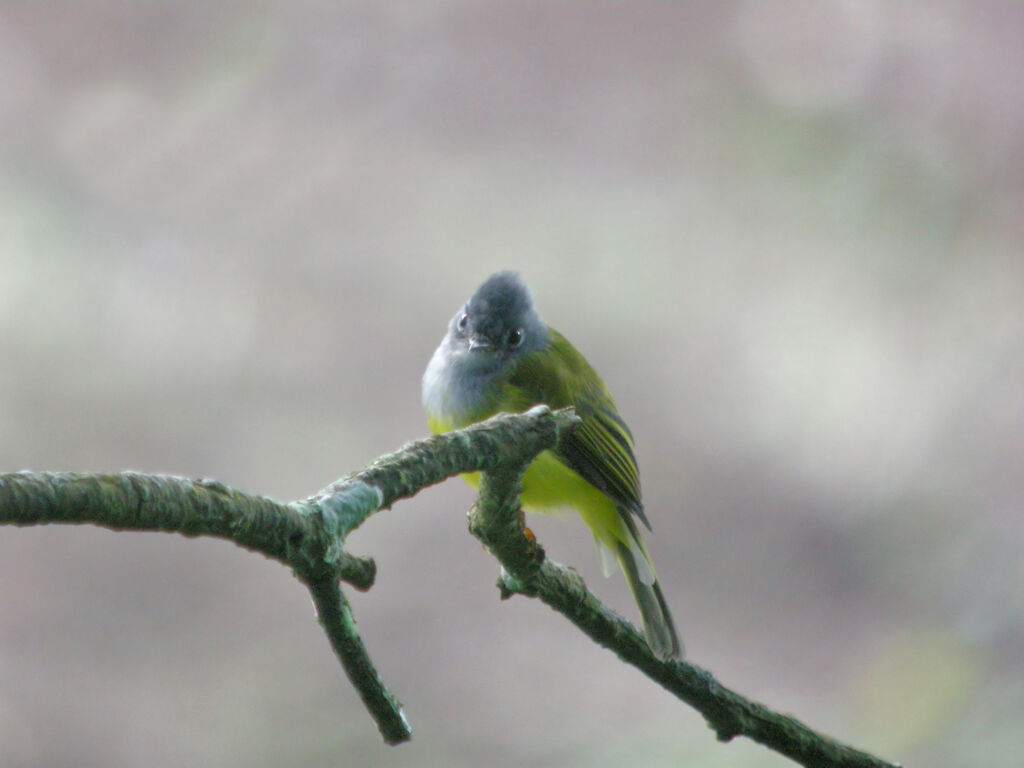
497, 355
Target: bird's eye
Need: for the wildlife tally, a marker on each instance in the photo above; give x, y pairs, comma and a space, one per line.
514, 337
463, 321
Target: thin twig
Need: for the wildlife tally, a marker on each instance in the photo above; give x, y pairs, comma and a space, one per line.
336, 618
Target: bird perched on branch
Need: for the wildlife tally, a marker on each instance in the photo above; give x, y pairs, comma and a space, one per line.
499, 356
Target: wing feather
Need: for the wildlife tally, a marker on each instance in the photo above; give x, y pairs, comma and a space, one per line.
601, 450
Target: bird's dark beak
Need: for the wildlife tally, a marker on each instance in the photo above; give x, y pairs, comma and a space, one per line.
478, 343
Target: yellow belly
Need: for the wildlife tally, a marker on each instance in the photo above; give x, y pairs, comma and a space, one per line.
550, 487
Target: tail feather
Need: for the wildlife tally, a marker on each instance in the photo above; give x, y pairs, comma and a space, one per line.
658, 626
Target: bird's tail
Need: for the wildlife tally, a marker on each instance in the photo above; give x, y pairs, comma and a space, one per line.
658, 627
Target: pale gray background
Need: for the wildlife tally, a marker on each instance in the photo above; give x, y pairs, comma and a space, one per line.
788, 235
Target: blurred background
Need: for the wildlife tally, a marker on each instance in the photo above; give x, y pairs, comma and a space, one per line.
787, 234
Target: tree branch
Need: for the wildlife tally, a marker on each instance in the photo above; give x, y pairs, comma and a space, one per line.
497, 521
728, 713
336, 618
310, 535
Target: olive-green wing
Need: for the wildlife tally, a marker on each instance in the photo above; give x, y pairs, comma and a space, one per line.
601, 450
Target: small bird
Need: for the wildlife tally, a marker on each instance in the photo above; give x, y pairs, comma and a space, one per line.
499, 356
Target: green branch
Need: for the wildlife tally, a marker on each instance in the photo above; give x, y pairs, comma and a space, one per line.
310, 535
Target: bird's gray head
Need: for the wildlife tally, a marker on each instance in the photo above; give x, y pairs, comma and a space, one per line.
499, 320
494, 329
